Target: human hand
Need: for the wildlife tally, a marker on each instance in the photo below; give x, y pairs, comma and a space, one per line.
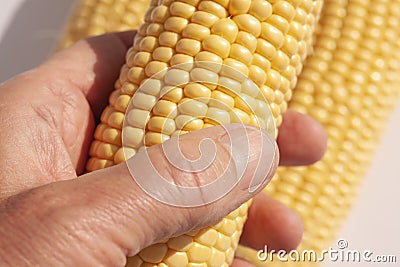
50, 218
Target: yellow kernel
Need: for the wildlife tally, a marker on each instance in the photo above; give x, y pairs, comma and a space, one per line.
213, 8
162, 125
196, 31
113, 97
199, 253
156, 69
165, 108
272, 34
123, 154
218, 116
160, 14
116, 120
192, 107
226, 28
143, 101
248, 23
97, 164
188, 123
191, 2
122, 103
221, 101
98, 133
106, 114
148, 44
223, 242
136, 75
168, 39
241, 53
246, 103
204, 18
229, 86
188, 46
209, 78
273, 79
280, 62
138, 118
228, 227
207, 237
175, 258
152, 138
209, 61
141, 59
154, 29
175, 24
182, 62
247, 40
284, 9
172, 93
262, 109
181, 10
176, 77
239, 116
132, 137
266, 49
154, 253
216, 258
261, 61
248, 87
197, 91
260, 9
257, 75
290, 46
180, 243
217, 45
279, 22
163, 54
239, 7
234, 69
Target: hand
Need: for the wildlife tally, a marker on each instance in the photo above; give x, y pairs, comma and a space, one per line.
52, 214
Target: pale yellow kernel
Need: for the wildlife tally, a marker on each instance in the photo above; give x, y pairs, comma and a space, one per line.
207, 236
296, 30
175, 258
229, 254
168, 39
261, 9
209, 78
182, 62
172, 93
237, 7
154, 253
141, 59
234, 69
229, 86
150, 87
221, 101
262, 109
193, 264
178, 133
188, 123
248, 23
241, 53
180, 243
175, 24
161, 125
112, 136
216, 44
228, 227
162, 264
160, 14
123, 154
165, 108
181, 10
276, 111
196, 31
152, 138
148, 44
176, 77
116, 120
188, 46
239, 116
213, 8
273, 79
216, 115
143, 101
226, 28
204, 18
192, 108
261, 61
279, 22
128, 88
284, 9
208, 125
199, 253
257, 75
154, 29
132, 137
191, 2
209, 61
246, 103
266, 49
156, 69
248, 87
163, 54
247, 40
136, 75
97, 164
217, 258
198, 92
272, 34
138, 118
223, 242
280, 62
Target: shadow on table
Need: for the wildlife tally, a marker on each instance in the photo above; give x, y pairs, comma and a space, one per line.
30, 35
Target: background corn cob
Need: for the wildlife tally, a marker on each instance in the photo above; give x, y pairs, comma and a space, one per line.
350, 82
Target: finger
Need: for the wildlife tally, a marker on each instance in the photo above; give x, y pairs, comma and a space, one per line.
237, 262
301, 140
108, 211
271, 224
91, 66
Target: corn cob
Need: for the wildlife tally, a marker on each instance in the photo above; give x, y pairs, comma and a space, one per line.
344, 84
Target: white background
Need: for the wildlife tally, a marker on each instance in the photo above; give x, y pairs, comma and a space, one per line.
28, 29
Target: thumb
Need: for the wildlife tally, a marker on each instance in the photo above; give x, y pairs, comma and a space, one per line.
125, 208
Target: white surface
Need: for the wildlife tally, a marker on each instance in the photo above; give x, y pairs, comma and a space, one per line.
28, 29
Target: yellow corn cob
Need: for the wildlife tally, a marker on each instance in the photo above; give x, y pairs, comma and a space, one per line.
265, 41
350, 85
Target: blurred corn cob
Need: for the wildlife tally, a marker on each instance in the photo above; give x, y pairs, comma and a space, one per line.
350, 85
